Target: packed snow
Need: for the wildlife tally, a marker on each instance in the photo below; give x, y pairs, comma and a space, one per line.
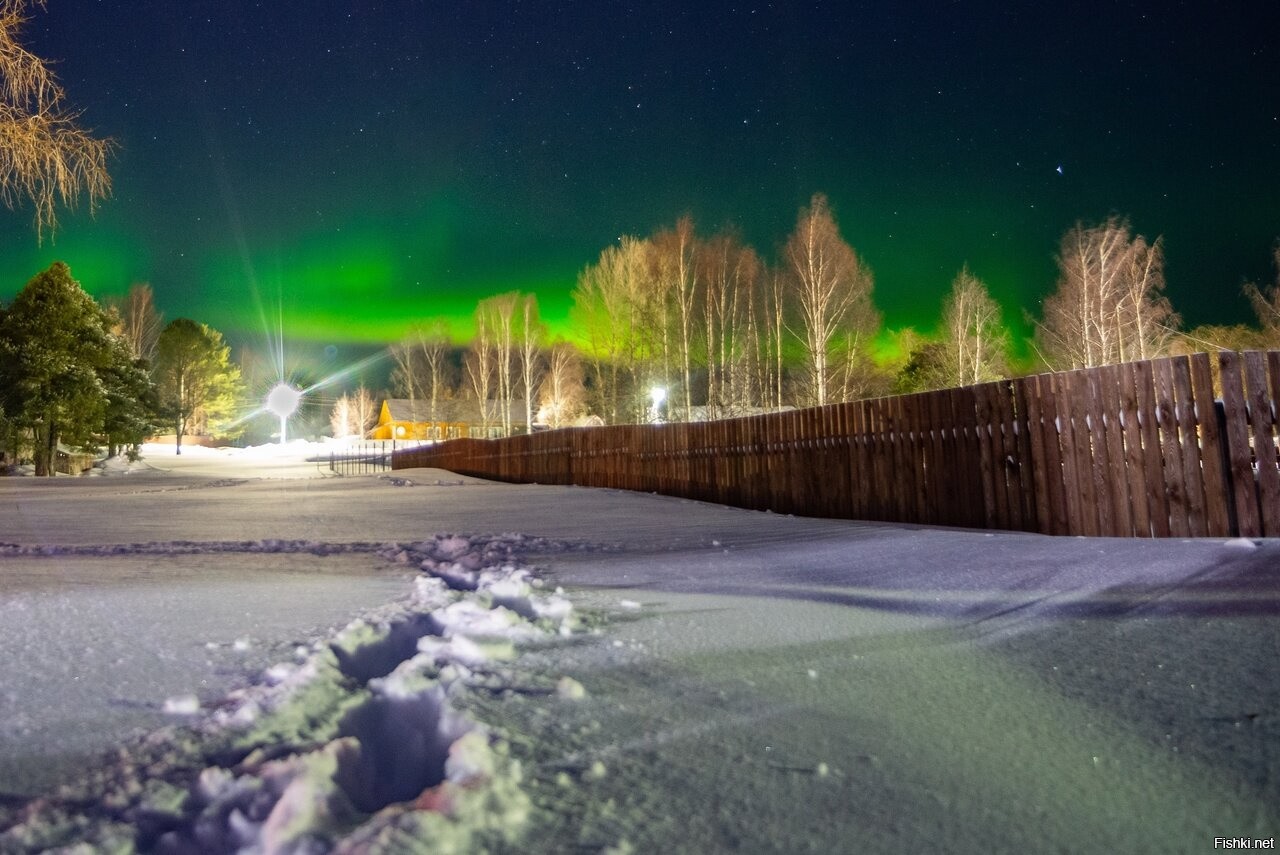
239, 651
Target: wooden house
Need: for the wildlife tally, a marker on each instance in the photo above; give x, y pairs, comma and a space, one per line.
407, 418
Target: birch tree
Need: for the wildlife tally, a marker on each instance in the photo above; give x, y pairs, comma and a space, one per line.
138, 321
730, 276
422, 367
497, 316
974, 341
831, 288
562, 394
1109, 304
676, 284
528, 340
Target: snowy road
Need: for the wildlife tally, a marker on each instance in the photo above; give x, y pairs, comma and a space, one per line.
765, 683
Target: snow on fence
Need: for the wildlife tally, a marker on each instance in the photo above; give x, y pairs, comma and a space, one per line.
1140, 449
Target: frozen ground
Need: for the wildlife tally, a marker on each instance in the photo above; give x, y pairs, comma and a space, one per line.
732, 681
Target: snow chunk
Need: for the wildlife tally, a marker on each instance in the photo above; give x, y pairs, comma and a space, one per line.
182, 705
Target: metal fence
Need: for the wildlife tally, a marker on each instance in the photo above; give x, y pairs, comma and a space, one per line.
363, 458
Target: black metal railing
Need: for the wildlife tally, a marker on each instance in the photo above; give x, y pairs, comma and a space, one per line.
363, 458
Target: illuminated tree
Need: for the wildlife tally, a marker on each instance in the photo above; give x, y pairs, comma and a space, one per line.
496, 334
673, 254
353, 414
45, 156
56, 354
480, 366
196, 380
608, 304
1109, 305
529, 335
1266, 304
562, 394
974, 341
831, 288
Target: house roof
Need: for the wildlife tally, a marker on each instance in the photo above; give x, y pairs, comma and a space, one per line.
447, 410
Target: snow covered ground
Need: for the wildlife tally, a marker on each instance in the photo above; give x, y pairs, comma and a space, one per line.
711, 679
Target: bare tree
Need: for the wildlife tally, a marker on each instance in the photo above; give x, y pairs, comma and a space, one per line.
676, 279
1266, 305
1109, 305
139, 322
562, 395
422, 367
730, 276
528, 337
45, 156
480, 365
974, 341
832, 291
497, 316
340, 417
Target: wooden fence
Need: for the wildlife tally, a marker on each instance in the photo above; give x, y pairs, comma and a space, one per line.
1140, 449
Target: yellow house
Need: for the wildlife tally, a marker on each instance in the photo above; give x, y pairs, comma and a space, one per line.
405, 418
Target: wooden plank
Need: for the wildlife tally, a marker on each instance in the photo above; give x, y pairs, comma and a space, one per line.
1248, 521
1025, 459
1096, 427
1134, 469
1262, 421
861, 476
1189, 441
1037, 459
1072, 473
982, 435
1273, 368
1055, 453
1152, 453
969, 445
1212, 449
1009, 454
1117, 470
1174, 475
838, 467
941, 488
913, 461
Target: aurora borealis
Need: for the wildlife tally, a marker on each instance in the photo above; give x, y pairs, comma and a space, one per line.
367, 165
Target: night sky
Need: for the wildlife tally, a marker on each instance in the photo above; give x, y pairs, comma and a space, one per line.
366, 164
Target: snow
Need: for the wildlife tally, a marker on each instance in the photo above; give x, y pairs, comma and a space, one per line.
284, 659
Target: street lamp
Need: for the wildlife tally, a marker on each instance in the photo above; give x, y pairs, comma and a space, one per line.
657, 395
283, 401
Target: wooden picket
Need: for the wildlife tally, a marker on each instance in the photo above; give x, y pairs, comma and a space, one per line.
1136, 450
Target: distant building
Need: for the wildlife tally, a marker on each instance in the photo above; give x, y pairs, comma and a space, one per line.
408, 418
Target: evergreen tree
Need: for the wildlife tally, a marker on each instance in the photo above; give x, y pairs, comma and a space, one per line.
55, 352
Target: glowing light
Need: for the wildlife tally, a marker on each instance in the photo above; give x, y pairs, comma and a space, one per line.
283, 401
657, 395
